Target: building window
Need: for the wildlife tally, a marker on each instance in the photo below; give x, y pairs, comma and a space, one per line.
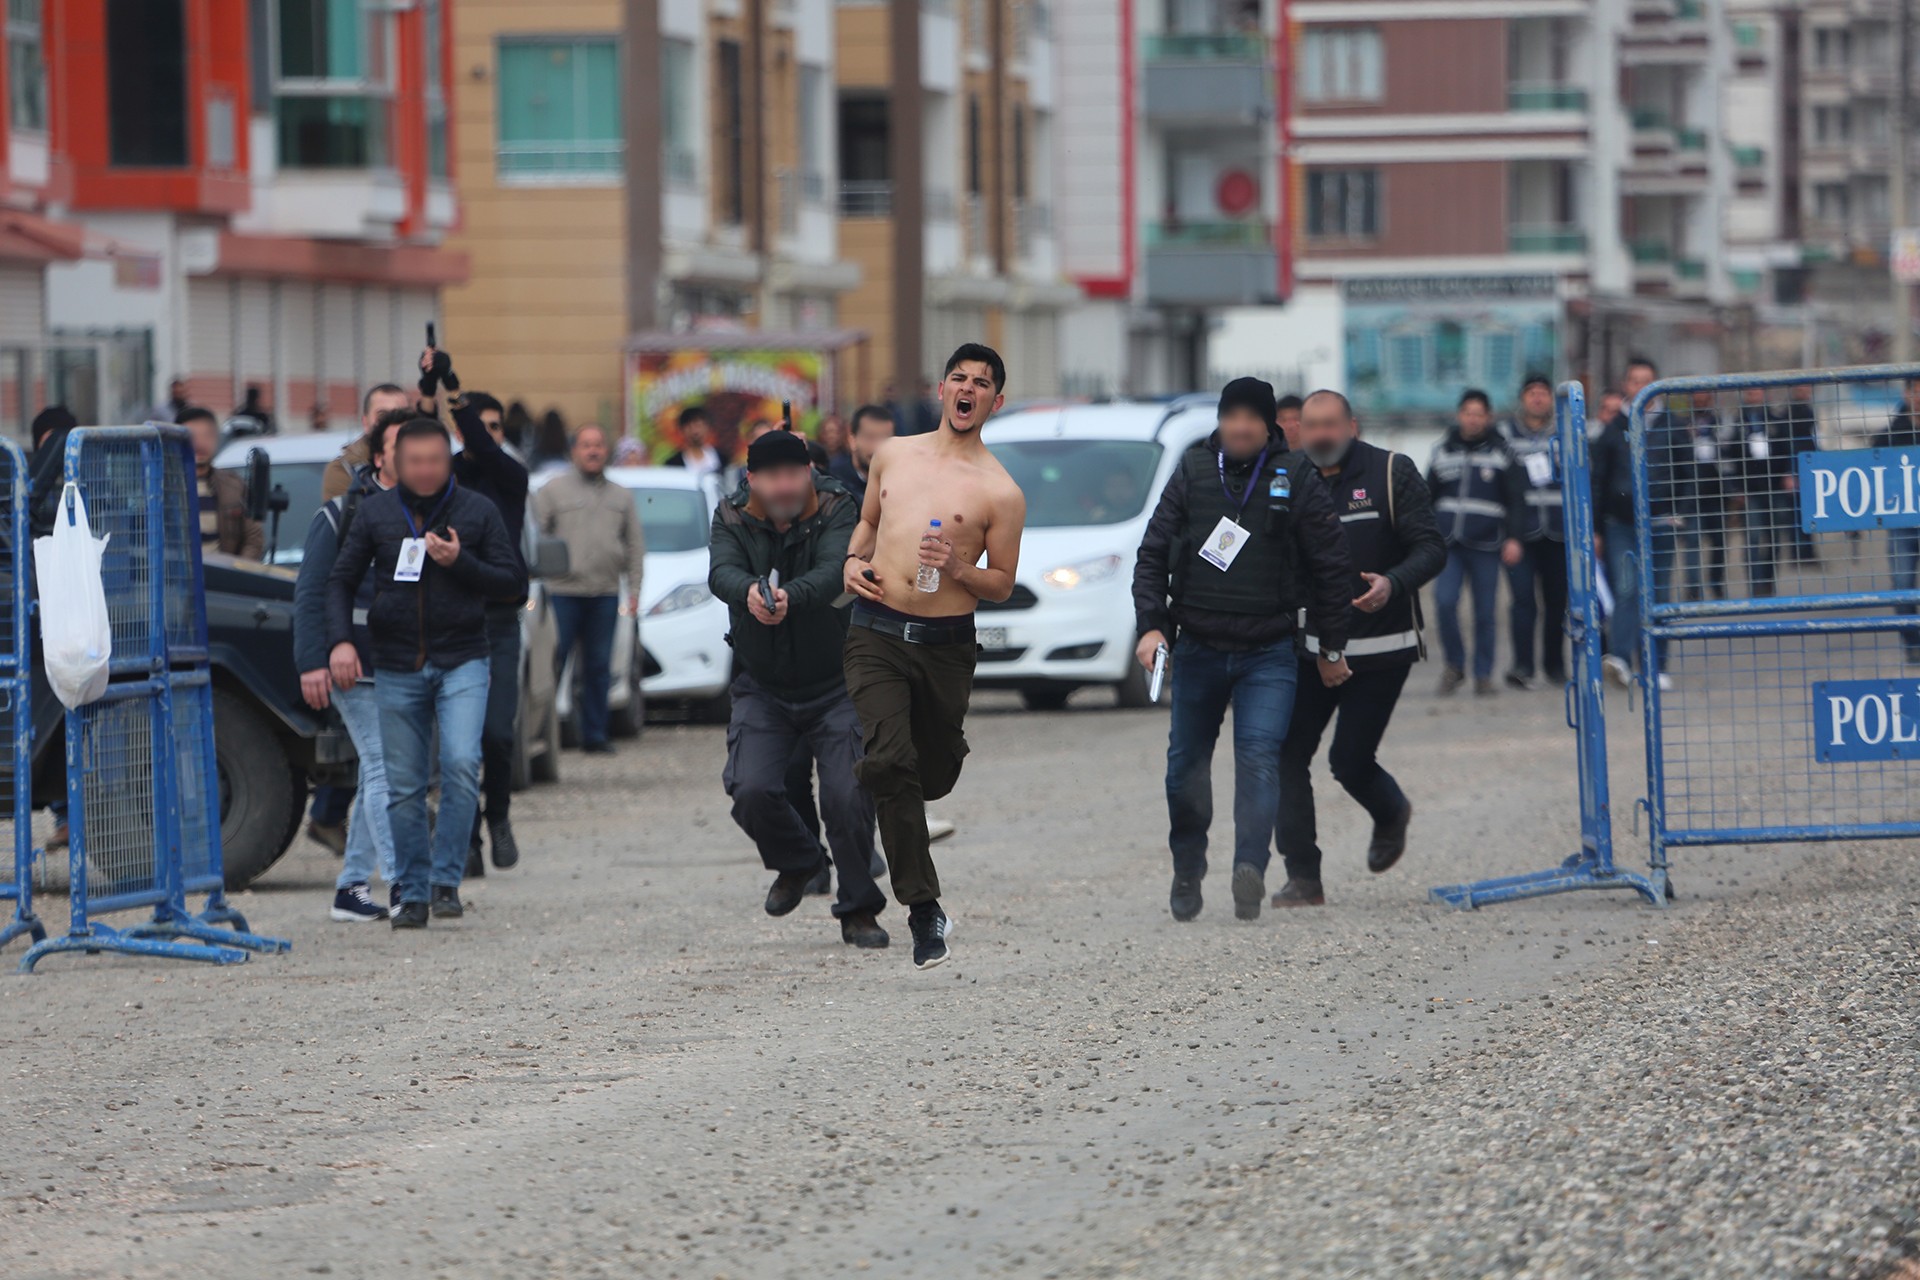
1019, 141
1832, 123
866, 167
1341, 64
26, 66
433, 17
677, 120
975, 167
559, 111
813, 134
332, 93
146, 84
1831, 202
1832, 48
1343, 203
732, 135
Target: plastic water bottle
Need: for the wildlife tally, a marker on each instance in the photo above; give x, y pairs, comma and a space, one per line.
929, 579
1279, 501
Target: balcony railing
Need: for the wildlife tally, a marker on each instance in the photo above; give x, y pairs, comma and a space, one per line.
1207, 235
1651, 252
559, 162
1031, 222
1206, 48
1649, 119
866, 199
787, 187
1546, 97
1690, 139
1749, 157
1690, 269
1688, 11
1547, 239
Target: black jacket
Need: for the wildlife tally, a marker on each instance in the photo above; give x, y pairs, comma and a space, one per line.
484, 468
1323, 576
1671, 469
442, 618
799, 659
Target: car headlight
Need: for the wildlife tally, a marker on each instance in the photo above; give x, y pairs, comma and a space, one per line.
1069, 576
686, 596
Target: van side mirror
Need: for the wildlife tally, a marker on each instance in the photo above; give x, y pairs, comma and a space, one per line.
550, 558
259, 484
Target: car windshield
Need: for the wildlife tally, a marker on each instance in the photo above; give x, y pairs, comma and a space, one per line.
301, 480
1080, 482
674, 519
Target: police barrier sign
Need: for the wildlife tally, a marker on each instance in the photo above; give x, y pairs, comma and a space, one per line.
1866, 720
1860, 489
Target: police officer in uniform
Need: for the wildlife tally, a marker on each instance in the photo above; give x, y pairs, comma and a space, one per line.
1477, 503
1387, 516
1244, 536
1539, 577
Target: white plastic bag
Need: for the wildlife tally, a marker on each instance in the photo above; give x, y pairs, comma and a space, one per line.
75, 632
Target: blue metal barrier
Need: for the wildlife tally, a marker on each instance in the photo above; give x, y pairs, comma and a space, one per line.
142, 782
16, 692
1592, 866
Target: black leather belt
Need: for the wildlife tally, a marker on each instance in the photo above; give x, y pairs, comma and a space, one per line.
915, 632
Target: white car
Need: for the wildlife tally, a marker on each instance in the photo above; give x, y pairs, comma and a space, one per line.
1092, 475
676, 650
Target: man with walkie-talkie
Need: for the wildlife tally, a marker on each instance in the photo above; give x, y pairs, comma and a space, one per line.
1244, 537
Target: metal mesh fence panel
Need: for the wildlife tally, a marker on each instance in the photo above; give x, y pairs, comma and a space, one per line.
114, 751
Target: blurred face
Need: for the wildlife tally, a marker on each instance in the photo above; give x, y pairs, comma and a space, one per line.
177, 390
590, 450
875, 431
424, 463
783, 492
384, 464
205, 434
1537, 401
1638, 376
695, 435
1474, 419
833, 434
490, 418
968, 397
379, 403
1290, 426
1243, 433
1326, 431
1753, 395
1610, 404
1703, 399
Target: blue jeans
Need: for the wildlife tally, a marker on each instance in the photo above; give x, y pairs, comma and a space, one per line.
412, 705
369, 837
589, 621
1481, 569
1903, 548
1260, 686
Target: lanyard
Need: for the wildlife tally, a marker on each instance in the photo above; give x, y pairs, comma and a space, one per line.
445, 498
1259, 465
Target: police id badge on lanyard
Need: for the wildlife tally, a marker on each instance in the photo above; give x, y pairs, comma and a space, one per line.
1229, 538
413, 551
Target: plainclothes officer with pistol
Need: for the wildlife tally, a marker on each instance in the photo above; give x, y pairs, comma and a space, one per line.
1387, 516
1243, 537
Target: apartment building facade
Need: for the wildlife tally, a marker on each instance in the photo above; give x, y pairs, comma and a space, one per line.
258, 191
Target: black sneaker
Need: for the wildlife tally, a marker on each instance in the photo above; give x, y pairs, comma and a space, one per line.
506, 850
1184, 901
930, 926
354, 905
861, 929
476, 860
1300, 893
1518, 679
786, 892
822, 883
1249, 887
597, 749
411, 915
1389, 841
446, 901
393, 900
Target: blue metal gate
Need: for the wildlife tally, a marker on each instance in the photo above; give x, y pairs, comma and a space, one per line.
142, 777
16, 692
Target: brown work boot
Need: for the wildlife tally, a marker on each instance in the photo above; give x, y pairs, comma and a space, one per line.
1450, 680
1300, 893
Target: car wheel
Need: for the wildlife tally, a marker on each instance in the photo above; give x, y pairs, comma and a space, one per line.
1045, 699
546, 765
1131, 693
522, 777
262, 796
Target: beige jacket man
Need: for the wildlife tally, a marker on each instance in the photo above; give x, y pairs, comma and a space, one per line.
600, 524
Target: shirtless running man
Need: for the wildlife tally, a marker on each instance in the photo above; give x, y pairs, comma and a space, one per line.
910, 653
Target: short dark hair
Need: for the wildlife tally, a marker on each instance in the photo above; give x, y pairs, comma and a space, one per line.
866, 411
481, 402
1346, 406
1534, 379
195, 413
1290, 401
1474, 395
693, 413
378, 389
972, 351
419, 429
1645, 363
376, 436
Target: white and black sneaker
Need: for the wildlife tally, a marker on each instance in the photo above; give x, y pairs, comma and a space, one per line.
354, 905
393, 900
930, 927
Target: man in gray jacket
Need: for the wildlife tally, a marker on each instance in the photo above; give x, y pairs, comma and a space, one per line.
600, 524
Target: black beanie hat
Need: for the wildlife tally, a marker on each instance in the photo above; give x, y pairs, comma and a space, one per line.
1251, 393
778, 449
53, 418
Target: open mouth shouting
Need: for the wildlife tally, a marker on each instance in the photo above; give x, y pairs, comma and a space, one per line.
963, 403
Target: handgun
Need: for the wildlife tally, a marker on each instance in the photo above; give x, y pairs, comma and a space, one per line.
1159, 673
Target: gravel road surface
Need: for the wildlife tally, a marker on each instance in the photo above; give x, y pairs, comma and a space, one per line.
617, 1065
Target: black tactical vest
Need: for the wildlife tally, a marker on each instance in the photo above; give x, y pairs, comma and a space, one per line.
1260, 579
1362, 499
